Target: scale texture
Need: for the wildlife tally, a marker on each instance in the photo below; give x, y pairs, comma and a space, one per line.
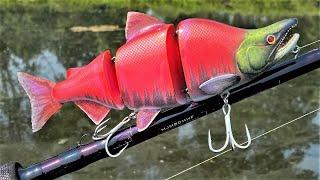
149, 70
207, 50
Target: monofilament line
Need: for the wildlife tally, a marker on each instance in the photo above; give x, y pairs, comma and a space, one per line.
254, 138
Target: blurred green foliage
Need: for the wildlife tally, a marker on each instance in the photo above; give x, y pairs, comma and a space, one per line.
174, 7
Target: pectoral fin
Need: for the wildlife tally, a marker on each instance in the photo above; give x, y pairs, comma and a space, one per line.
145, 118
218, 84
95, 111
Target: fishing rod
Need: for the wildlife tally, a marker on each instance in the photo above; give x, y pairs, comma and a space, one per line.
85, 154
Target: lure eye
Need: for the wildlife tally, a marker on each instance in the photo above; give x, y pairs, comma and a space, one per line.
271, 39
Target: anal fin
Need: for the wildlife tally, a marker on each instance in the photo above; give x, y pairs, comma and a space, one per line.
218, 84
94, 111
145, 118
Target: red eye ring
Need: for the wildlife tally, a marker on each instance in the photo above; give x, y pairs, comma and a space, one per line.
271, 39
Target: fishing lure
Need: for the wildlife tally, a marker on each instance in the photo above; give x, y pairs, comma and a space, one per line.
161, 66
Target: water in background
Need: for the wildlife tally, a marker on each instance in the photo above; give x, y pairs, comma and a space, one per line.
45, 41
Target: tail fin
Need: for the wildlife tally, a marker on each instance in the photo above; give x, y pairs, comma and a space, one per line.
43, 106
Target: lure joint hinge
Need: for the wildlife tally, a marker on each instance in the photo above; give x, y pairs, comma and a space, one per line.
113, 59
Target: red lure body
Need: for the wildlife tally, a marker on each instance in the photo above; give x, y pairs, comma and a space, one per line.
149, 70
207, 50
95, 82
152, 70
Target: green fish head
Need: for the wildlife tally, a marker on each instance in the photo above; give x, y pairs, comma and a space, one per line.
263, 47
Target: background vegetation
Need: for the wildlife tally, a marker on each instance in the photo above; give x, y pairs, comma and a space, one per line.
174, 7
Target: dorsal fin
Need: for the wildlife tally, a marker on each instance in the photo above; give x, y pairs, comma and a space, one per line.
138, 23
72, 71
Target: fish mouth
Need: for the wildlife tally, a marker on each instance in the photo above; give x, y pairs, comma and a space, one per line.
288, 41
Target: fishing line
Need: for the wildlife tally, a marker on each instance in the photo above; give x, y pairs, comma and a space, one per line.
314, 42
298, 48
254, 138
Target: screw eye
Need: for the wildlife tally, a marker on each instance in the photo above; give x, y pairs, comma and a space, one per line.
271, 39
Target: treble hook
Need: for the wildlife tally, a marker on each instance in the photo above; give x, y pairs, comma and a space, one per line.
109, 134
226, 108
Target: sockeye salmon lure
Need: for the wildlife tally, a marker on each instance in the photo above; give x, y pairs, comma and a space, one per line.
161, 67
